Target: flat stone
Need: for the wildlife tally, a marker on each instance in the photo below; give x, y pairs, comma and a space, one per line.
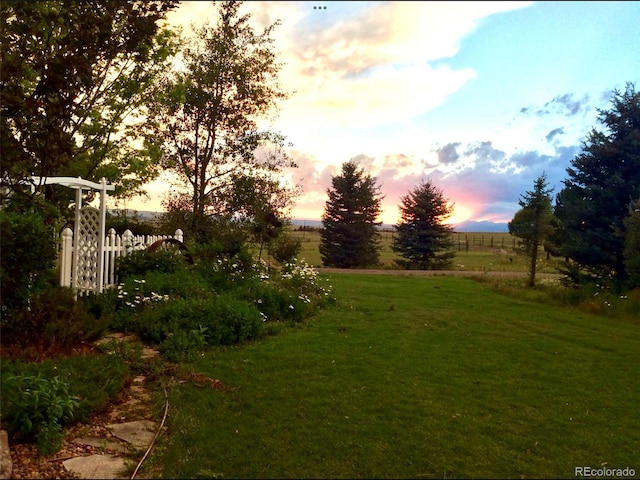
6, 465
97, 466
116, 336
101, 443
149, 352
139, 433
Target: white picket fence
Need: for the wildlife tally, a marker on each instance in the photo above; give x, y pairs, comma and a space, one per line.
88, 270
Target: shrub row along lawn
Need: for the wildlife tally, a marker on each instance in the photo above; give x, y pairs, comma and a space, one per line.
414, 377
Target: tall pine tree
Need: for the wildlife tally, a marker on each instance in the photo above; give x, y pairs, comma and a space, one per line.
350, 237
533, 223
603, 181
422, 238
632, 244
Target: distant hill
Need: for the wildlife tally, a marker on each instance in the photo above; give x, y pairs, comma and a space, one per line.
141, 214
472, 226
467, 226
302, 222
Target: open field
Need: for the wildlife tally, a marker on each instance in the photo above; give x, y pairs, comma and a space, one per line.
486, 252
420, 377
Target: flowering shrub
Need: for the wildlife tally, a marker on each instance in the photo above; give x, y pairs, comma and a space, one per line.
292, 293
302, 278
221, 301
138, 297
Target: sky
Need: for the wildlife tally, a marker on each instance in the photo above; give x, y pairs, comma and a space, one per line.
480, 98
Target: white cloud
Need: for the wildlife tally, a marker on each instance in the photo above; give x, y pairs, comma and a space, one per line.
373, 66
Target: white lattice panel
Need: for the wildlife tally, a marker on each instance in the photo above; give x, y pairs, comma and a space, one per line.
87, 245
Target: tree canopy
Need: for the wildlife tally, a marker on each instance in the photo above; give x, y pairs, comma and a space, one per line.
75, 77
206, 119
422, 238
349, 237
604, 179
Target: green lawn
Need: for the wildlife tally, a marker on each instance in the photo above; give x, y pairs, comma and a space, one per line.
422, 377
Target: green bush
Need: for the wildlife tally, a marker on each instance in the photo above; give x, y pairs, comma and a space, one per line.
36, 407
285, 248
223, 271
139, 262
95, 380
185, 283
222, 320
274, 302
183, 346
28, 256
53, 318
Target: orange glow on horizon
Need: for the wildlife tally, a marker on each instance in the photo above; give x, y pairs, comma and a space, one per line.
460, 214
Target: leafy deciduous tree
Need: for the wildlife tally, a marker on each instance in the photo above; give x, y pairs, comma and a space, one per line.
75, 77
207, 116
349, 237
533, 223
422, 238
603, 181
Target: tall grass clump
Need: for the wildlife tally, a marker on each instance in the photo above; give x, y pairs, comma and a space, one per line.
590, 297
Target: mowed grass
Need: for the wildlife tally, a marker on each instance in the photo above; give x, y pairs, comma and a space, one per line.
421, 377
486, 252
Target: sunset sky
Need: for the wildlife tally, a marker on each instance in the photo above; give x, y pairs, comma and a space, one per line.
479, 97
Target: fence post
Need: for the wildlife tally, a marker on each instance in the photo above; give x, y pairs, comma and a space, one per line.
179, 235
110, 253
65, 257
127, 241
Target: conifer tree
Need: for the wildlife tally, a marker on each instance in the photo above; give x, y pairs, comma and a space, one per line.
422, 238
604, 179
533, 223
349, 237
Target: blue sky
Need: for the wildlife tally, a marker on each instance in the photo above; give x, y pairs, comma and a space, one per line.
479, 97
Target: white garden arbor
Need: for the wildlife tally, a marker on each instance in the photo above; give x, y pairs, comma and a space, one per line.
89, 233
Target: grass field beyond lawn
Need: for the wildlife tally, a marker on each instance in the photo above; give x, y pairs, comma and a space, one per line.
414, 377
486, 252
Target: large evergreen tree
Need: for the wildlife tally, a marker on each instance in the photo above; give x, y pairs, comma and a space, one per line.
349, 237
422, 238
632, 244
603, 181
533, 223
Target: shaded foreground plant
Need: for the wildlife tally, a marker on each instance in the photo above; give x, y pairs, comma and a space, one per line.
36, 407
39, 399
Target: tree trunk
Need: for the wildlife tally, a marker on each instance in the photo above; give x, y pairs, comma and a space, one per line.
532, 267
